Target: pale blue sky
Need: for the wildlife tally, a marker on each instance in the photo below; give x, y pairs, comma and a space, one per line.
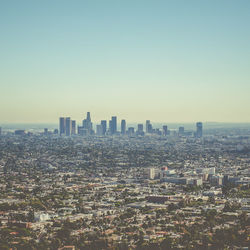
168, 61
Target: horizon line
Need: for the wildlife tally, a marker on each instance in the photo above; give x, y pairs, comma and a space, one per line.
176, 122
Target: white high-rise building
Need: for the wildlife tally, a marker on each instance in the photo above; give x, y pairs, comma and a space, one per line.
150, 173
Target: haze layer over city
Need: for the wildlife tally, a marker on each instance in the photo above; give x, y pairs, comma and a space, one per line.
167, 61
124, 125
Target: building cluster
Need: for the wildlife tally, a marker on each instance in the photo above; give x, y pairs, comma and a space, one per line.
67, 127
198, 177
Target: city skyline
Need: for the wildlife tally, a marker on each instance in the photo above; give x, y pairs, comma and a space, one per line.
137, 59
67, 127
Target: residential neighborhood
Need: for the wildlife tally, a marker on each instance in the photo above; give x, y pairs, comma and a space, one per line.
123, 192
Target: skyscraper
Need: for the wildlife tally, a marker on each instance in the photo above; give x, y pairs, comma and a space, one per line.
123, 127
67, 126
73, 127
110, 127
147, 125
99, 131
150, 128
87, 124
113, 125
104, 126
199, 129
140, 129
88, 117
165, 129
62, 125
0, 131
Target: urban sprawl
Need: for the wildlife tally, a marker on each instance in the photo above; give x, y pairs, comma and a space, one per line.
132, 188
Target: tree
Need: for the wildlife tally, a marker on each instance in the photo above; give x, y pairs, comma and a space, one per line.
56, 243
166, 243
64, 233
211, 199
31, 216
244, 220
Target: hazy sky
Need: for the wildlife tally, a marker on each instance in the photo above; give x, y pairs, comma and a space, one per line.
167, 61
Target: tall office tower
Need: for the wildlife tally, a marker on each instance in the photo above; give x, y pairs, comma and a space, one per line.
140, 129
104, 126
199, 129
79, 128
113, 125
181, 130
150, 128
123, 127
45, 132
165, 129
0, 131
110, 127
73, 127
67, 126
88, 117
147, 125
87, 124
62, 124
99, 130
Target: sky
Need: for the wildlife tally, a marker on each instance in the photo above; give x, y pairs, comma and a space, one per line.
163, 60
